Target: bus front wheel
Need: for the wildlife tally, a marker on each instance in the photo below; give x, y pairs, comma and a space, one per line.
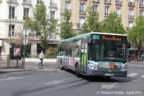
77, 71
60, 66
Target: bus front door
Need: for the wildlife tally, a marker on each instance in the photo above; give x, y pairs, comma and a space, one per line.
83, 59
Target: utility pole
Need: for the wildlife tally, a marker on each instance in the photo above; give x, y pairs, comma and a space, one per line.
10, 15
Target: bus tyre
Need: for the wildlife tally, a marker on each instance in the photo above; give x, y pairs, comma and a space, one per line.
61, 67
77, 71
108, 77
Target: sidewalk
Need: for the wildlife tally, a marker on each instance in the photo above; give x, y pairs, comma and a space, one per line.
30, 64
136, 64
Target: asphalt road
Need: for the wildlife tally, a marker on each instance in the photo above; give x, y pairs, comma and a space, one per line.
54, 82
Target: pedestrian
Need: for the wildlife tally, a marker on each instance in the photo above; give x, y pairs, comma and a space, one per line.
41, 56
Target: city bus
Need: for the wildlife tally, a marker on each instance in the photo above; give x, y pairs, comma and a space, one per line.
94, 54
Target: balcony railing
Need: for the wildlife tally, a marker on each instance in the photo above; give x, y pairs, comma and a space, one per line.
107, 1
132, 4
82, 12
26, 17
27, 1
130, 17
141, 5
119, 3
12, 1
95, 1
83, 0
53, 5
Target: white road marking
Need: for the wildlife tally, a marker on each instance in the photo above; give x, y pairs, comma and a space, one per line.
12, 78
58, 81
110, 86
132, 74
142, 76
49, 69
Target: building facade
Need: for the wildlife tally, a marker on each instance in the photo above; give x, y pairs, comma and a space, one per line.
13, 14
128, 10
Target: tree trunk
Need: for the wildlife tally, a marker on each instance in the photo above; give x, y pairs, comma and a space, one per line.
139, 53
17, 63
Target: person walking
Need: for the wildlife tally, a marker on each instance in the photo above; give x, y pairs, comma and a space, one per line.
41, 56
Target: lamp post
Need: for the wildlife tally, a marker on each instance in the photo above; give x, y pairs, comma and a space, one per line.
25, 42
10, 15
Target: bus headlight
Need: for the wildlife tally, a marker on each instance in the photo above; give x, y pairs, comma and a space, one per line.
123, 67
93, 65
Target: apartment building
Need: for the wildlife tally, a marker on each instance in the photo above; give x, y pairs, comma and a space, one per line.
12, 16
128, 10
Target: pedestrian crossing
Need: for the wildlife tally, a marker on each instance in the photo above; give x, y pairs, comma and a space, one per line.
132, 74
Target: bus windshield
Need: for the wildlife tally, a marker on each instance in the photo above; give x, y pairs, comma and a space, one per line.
107, 50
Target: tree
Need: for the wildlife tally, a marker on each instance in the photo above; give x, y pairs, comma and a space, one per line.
41, 25
136, 34
66, 26
91, 23
113, 24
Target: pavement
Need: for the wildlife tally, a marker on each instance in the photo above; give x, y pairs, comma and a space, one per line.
32, 64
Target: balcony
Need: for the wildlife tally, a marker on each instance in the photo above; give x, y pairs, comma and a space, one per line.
131, 4
82, 12
27, 2
141, 5
53, 6
26, 17
12, 2
79, 26
118, 3
83, 0
107, 1
131, 17
95, 1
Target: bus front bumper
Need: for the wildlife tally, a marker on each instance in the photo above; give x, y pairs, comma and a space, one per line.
107, 73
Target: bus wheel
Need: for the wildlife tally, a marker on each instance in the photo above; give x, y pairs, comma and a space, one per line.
77, 71
61, 67
108, 77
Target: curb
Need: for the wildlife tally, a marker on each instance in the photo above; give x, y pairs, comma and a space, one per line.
14, 70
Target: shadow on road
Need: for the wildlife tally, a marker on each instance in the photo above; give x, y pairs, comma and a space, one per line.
101, 78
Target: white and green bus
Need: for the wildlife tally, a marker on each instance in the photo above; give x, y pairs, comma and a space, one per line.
94, 54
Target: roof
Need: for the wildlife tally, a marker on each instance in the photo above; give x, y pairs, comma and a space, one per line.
88, 34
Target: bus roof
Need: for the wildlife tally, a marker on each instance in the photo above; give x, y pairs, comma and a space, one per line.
88, 34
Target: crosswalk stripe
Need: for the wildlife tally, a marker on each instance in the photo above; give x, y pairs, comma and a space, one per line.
132, 74
109, 86
142, 76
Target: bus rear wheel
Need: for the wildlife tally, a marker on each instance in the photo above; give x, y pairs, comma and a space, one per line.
77, 71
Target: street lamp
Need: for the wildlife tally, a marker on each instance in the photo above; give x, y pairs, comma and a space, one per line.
8, 58
25, 42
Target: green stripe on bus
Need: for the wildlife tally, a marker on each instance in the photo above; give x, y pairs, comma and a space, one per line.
74, 38
83, 60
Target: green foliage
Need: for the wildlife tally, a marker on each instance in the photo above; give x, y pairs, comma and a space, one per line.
136, 33
113, 24
66, 26
40, 25
51, 52
91, 23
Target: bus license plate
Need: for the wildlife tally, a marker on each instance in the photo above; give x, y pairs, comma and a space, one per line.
108, 74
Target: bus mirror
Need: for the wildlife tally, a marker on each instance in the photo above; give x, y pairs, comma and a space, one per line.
90, 41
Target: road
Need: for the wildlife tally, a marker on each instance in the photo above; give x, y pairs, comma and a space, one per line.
55, 82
